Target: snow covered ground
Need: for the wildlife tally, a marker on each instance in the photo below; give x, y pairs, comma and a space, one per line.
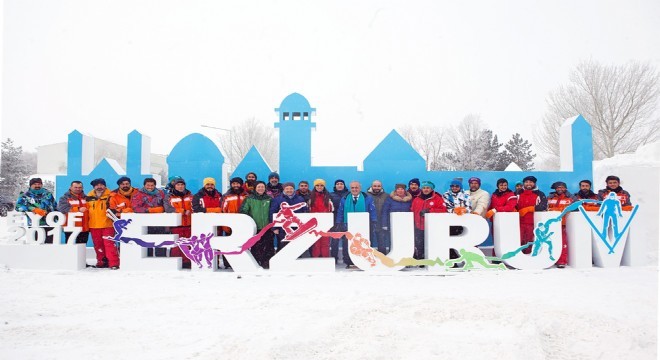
552, 314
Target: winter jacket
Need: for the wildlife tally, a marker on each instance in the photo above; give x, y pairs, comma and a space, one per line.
433, 203
503, 201
305, 195
142, 202
121, 203
622, 195
531, 198
587, 195
231, 202
205, 202
98, 218
460, 199
379, 202
179, 203
257, 207
71, 203
336, 197
559, 203
320, 202
28, 201
291, 200
274, 191
479, 201
347, 206
395, 203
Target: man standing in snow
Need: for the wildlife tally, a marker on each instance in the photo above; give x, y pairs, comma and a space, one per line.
378, 235
530, 200
479, 198
74, 201
100, 226
40, 201
355, 201
558, 201
613, 185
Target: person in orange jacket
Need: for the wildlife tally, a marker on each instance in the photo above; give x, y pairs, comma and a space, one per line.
74, 201
613, 184
120, 200
100, 226
585, 193
180, 200
558, 201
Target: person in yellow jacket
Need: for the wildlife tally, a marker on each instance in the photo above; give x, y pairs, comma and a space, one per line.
100, 226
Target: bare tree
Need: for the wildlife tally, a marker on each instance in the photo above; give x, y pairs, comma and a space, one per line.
619, 102
427, 141
247, 134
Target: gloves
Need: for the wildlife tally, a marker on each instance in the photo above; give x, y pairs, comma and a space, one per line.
156, 209
38, 211
490, 213
627, 208
460, 210
213, 210
525, 210
384, 228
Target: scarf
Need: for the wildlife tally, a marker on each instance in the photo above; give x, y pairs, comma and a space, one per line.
349, 206
126, 194
415, 193
426, 196
588, 194
152, 193
180, 193
38, 192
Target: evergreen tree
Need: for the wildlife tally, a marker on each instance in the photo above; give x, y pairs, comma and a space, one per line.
519, 151
13, 172
488, 154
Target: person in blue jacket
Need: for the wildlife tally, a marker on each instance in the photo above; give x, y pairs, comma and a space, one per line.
355, 201
288, 196
399, 200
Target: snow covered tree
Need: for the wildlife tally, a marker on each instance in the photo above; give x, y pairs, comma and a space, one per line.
427, 141
489, 156
244, 135
619, 101
518, 151
13, 172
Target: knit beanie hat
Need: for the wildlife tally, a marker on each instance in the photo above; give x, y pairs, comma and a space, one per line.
414, 181
236, 180
209, 180
122, 179
429, 184
273, 175
319, 181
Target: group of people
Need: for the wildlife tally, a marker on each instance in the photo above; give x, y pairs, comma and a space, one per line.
263, 200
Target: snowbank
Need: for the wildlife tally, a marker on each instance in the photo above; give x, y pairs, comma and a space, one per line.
551, 314
640, 176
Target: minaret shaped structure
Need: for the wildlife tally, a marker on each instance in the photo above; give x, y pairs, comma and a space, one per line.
295, 124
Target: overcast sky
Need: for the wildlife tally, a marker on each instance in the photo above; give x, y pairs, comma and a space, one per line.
166, 67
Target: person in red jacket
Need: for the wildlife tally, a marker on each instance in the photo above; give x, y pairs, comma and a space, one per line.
502, 200
530, 200
208, 200
179, 200
320, 202
427, 201
74, 201
558, 201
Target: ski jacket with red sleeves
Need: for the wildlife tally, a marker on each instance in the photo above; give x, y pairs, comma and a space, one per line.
503, 201
423, 204
535, 198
